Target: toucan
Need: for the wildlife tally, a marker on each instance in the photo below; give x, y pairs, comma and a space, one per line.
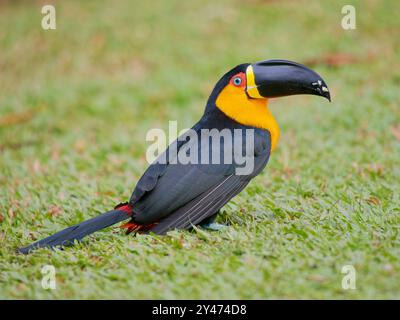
174, 194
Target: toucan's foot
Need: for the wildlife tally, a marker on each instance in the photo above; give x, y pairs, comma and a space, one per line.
210, 224
213, 226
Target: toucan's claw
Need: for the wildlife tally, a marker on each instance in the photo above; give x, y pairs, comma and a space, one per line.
213, 226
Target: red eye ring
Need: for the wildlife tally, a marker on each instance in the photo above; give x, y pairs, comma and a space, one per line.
239, 80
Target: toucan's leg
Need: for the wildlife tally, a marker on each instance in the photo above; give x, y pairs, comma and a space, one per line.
210, 224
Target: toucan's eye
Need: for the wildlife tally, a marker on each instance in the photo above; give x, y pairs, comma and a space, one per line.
237, 81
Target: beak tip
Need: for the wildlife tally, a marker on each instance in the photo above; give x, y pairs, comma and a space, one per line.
328, 96
322, 89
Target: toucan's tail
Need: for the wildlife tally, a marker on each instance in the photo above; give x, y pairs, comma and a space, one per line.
77, 232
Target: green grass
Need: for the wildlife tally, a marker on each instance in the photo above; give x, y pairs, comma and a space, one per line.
75, 106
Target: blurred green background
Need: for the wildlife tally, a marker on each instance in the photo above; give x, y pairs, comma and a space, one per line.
76, 104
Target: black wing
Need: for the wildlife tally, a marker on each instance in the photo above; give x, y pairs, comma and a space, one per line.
150, 177
179, 195
202, 206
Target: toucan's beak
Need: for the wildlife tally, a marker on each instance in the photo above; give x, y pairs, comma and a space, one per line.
278, 78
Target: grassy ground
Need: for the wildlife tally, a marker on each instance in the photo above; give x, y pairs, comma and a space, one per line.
75, 106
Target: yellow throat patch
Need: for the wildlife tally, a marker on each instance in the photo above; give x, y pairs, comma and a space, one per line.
234, 103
